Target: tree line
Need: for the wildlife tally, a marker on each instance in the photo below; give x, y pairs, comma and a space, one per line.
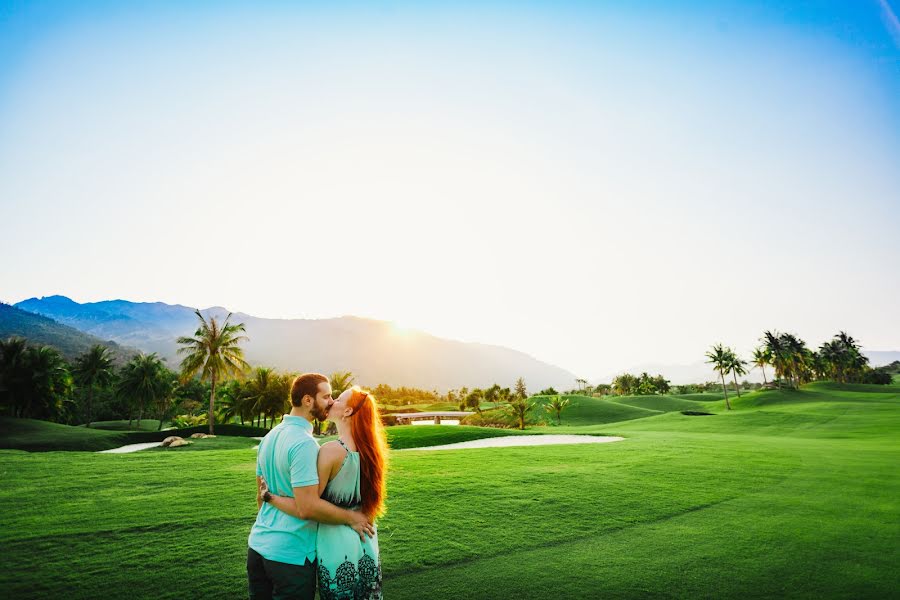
37, 382
839, 359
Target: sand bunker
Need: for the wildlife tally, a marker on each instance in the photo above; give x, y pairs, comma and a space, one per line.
525, 440
131, 448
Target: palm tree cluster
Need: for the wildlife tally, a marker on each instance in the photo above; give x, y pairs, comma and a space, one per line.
263, 396
839, 359
724, 361
148, 383
627, 384
37, 382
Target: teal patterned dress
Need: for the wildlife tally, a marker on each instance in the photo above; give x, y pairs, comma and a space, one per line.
348, 568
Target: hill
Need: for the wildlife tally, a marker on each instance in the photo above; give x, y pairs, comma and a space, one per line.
584, 410
38, 329
661, 403
375, 351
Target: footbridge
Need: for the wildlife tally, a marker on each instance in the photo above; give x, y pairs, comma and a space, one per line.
407, 418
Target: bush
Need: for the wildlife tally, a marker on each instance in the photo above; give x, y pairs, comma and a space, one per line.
388, 420
183, 421
491, 418
878, 377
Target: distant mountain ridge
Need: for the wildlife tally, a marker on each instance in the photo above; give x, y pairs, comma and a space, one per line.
373, 350
38, 329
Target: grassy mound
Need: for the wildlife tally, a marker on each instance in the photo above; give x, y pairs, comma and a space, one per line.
661, 403
146, 425
584, 410
700, 396
43, 436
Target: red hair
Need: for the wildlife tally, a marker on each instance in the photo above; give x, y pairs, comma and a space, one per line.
371, 443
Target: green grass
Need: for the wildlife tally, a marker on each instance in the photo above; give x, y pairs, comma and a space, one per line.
661, 403
34, 436
584, 410
791, 494
42, 436
701, 396
146, 425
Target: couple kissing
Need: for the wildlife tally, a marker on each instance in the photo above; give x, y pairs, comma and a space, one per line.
317, 506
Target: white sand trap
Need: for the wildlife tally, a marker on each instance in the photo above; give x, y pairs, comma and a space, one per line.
525, 440
131, 448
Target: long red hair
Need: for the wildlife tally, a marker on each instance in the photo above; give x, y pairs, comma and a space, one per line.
371, 443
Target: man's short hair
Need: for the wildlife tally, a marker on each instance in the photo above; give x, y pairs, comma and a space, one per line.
306, 385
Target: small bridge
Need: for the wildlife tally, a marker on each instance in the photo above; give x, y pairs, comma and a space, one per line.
407, 418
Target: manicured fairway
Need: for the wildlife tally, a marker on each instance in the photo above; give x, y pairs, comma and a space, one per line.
792, 494
662, 403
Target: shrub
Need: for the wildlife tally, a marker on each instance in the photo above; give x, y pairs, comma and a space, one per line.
878, 377
491, 418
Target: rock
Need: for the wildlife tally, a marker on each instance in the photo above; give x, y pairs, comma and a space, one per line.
179, 442
198, 436
168, 441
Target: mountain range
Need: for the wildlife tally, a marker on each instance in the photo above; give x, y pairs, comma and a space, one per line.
38, 329
374, 351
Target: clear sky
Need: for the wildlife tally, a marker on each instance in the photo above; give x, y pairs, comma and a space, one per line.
596, 185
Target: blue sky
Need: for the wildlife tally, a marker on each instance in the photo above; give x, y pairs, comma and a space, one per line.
598, 185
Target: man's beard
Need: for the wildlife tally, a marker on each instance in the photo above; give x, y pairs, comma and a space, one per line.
318, 413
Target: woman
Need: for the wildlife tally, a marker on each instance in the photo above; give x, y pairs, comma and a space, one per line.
351, 475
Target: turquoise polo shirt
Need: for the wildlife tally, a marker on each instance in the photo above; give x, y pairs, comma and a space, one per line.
286, 459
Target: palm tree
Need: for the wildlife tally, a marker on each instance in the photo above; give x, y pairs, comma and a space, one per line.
519, 407
143, 381
778, 352
737, 367
797, 357
48, 383
278, 395
14, 374
556, 405
473, 400
720, 358
215, 353
235, 401
258, 390
762, 357
340, 381
491, 394
93, 368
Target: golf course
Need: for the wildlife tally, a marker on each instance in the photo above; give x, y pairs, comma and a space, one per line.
793, 493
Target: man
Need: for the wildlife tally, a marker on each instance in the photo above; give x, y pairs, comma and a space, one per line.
281, 558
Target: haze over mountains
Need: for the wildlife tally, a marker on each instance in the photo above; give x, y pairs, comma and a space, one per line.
375, 351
